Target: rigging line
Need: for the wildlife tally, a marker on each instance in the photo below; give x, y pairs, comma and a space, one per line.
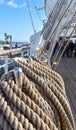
64, 49
49, 38
37, 11
48, 7
56, 55
38, 14
52, 9
61, 44
51, 15
58, 50
60, 21
31, 16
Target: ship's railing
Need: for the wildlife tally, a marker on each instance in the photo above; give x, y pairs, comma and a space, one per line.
50, 26
4, 55
55, 31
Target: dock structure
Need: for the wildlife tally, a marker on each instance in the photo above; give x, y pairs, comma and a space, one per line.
67, 69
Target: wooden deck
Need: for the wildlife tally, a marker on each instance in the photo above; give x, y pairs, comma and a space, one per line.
67, 69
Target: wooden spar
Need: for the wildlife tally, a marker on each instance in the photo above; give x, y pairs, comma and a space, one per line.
10, 51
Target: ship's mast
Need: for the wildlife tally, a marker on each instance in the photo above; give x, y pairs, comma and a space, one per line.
31, 16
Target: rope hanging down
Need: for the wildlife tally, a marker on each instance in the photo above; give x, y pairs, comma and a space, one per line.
41, 103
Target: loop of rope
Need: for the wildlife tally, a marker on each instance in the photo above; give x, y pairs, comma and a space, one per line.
48, 69
4, 123
26, 110
9, 114
36, 96
26, 124
30, 103
41, 104
55, 91
60, 103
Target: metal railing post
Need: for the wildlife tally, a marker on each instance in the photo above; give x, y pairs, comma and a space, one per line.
6, 64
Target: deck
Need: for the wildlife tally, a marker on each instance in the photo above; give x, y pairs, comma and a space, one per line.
67, 69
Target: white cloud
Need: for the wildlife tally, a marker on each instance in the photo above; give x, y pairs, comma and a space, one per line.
12, 4
1, 1
22, 5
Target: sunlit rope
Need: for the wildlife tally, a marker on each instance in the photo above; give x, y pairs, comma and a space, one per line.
41, 103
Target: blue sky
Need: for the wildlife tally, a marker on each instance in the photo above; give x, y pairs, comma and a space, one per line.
15, 19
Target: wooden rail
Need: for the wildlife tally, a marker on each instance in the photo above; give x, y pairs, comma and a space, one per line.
6, 52
5, 55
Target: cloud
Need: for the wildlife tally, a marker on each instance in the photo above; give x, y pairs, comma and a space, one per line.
1, 1
12, 4
22, 5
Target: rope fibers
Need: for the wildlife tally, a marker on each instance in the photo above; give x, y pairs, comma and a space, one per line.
41, 103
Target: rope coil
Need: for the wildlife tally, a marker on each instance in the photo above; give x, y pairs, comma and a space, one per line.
42, 103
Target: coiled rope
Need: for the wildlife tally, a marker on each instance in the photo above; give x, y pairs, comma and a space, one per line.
41, 104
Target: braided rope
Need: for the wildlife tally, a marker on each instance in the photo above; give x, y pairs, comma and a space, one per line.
28, 112
56, 115
8, 113
57, 93
48, 69
47, 106
62, 99
37, 98
35, 95
38, 70
30, 103
41, 104
4, 123
54, 78
24, 121
30, 73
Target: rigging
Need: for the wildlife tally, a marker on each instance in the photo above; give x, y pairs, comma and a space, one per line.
31, 16
37, 11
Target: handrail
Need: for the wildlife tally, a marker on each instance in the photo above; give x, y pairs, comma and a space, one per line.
2, 53
5, 54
